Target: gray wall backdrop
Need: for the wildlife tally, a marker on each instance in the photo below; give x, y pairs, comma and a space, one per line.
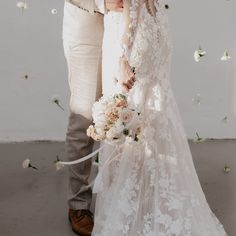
31, 44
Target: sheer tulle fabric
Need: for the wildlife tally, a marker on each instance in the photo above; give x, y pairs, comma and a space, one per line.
149, 188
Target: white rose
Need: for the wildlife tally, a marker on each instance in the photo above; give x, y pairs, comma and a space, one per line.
100, 120
99, 129
130, 118
119, 126
126, 115
99, 108
112, 133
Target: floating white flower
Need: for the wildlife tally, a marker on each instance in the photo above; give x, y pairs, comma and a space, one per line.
225, 119
27, 164
25, 77
225, 56
22, 5
197, 99
54, 11
199, 139
56, 100
198, 54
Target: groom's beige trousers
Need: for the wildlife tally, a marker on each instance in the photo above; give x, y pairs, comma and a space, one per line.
82, 41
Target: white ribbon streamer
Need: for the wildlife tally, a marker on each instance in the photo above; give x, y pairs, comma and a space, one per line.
81, 159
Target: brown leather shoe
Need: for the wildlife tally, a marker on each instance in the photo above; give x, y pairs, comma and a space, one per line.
81, 222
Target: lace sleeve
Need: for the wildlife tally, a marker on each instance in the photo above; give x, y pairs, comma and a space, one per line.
131, 15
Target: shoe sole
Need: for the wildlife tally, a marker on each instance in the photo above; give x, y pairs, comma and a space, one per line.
75, 230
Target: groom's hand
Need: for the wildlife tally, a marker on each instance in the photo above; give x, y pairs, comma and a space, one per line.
114, 5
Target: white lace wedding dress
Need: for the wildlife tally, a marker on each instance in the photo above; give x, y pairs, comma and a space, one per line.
151, 188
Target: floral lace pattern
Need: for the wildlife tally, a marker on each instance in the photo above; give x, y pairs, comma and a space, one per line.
151, 188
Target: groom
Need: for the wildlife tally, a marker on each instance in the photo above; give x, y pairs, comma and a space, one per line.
82, 41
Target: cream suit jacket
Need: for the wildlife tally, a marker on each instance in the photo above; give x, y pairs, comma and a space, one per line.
88, 5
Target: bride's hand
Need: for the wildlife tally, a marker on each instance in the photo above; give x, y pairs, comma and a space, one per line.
114, 5
126, 75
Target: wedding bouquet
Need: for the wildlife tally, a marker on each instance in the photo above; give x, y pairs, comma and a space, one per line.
115, 120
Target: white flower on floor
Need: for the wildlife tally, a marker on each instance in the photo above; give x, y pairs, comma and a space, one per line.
198, 54
58, 164
226, 169
225, 56
27, 164
199, 139
197, 99
56, 100
54, 11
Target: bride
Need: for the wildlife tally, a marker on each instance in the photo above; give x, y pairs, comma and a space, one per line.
149, 188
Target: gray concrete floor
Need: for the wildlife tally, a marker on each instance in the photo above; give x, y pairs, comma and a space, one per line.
33, 203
